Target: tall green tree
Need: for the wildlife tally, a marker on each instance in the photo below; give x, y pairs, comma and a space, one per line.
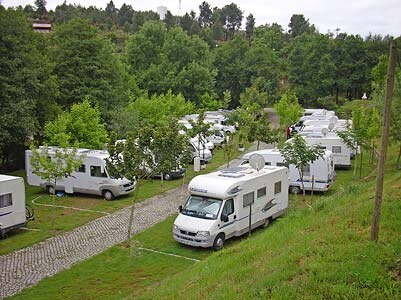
27, 88
249, 26
80, 127
205, 18
231, 18
299, 25
289, 111
86, 65
41, 8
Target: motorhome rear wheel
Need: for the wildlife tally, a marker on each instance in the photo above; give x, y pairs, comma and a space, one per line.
295, 190
218, 243
50, 189
108, 195
167, 176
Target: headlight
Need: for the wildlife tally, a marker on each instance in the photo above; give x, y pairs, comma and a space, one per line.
176, 227
203, 233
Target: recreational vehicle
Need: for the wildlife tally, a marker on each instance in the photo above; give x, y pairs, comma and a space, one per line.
321, 170
341, 152
199, 149
229, 203
12, 203
90, 178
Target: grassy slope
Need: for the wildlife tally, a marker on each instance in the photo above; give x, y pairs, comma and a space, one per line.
307, 254
67, 219
310, 254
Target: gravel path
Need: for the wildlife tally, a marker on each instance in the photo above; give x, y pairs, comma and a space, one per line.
26, 267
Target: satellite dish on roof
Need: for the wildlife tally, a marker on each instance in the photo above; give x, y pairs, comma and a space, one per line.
331, 126
333, 119
256, 161
325, 131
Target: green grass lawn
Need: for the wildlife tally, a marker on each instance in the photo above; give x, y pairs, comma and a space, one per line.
67, 219
316, 253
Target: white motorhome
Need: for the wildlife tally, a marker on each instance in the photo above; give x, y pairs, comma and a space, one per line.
222, 204
205, 142
12, 203
216, 137
341, 152
199, 149
91, 177
321, 170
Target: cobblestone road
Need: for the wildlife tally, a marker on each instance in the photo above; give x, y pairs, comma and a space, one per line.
28, 266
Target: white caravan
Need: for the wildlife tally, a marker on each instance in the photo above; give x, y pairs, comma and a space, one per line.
321, 169
187, 125
222, 204
90, 178
216, 137
12, 203
198, 149
341, 152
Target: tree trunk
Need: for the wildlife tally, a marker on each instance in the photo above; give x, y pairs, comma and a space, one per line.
301, 174
53, 214
374, 232
360, 166
398, 158
257, 148
131, 217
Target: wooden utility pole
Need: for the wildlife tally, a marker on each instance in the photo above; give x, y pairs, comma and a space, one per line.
374, 232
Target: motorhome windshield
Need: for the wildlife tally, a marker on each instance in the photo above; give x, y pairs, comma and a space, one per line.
202, 207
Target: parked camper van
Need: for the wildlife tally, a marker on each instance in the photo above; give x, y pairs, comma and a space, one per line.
91, 177
341, 152
12, 203
322, 170
198, 149
220, 204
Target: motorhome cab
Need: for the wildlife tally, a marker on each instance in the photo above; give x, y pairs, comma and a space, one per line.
12, 203
222, 204
321, 170
341, 152
91, 177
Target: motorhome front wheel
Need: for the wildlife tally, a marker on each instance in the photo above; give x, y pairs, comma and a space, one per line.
108, 195
218, 243
295, 190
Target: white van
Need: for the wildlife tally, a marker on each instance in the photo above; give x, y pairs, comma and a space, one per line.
222, 204
321, 169
341, 152
12, 203
91, 177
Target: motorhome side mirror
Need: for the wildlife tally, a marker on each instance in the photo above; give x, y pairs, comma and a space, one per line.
180, 208
224, 218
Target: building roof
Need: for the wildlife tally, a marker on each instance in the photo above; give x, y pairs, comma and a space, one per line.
42, 25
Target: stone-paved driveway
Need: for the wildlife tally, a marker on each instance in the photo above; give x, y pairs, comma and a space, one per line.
28, 266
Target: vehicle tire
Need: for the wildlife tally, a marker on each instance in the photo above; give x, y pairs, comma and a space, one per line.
167, 176
267, 222
50, 189
228, 132
295, 190
108, 195
218, 243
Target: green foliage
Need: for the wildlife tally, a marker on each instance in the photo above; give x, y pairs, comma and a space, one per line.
81, 127
231, 18
288, 109
159, 109
260, 130
27, 88
87, 66
299, 25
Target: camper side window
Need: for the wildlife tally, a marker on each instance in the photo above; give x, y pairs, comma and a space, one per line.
82, 169
6, 200
277, 187
261, 192
248, 199
96, 172
306, 170
268, 163
228, 208
336, 149
281, 164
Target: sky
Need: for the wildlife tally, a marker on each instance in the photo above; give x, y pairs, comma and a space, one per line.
351, 16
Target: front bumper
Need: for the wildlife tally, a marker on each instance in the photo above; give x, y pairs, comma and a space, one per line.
189, 238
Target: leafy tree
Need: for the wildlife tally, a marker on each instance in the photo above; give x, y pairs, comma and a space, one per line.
171, 149
260, 130
54, 168
87, 66
299, 25
27, 88
199, 129
128, 159
231, 18
125, 14
271, 36
41, 8
205, 18
81, 127
186, 22
250, 26
289, 110
111, 12
169, 20
296, 152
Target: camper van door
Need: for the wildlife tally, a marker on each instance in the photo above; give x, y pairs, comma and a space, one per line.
228, 218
